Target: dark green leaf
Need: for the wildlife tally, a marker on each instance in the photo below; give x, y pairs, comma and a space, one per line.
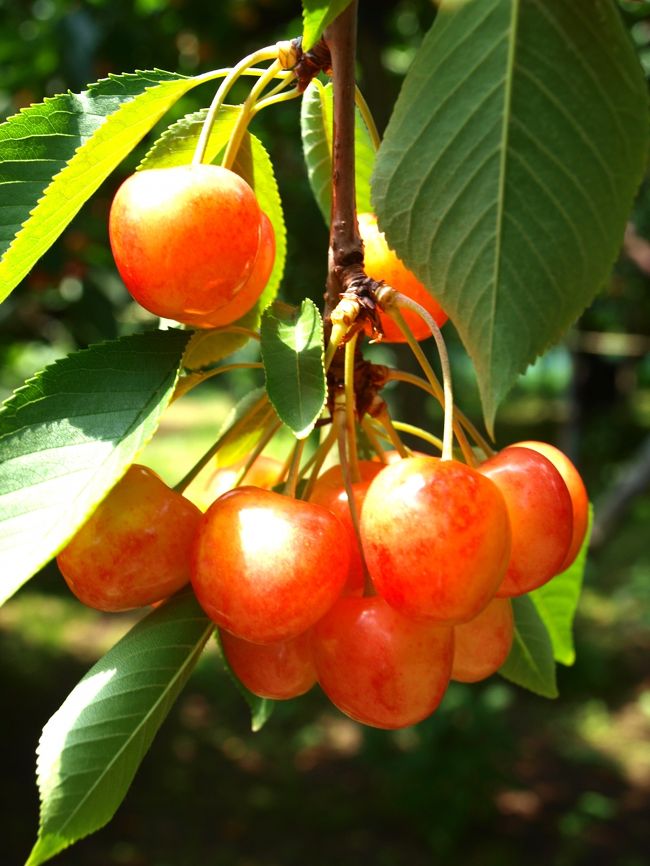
261, 708
55, 155
92, 746
68, 435
316, 15
316, 127
530, 663
508, 169
557, 600
292, 351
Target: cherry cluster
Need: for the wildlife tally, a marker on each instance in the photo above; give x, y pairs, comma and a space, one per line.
382, 625
381, 600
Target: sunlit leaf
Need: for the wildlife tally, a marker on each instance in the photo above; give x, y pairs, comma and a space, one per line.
316, 15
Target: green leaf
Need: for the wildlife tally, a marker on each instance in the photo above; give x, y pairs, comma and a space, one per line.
55, 155
92, 746
260, 708
530, 663
176, 147
292, 352
557, 600
316, 16
68, 435
508, 170
244, 426
316, 127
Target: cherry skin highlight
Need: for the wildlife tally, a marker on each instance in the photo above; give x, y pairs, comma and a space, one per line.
330, 492
381, 263
483, 644
378, 667
248, 295
135, 548
541, 517
266, 567
185, 239
279, 671
436, 538
577, 492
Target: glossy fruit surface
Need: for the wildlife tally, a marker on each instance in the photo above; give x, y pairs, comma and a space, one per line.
213, 483
577, 492
185, 239
541, 516
249, 293
266, 567
277, 670
381, 263
483, 644
436, 538
330, 493
135, 548
379, 667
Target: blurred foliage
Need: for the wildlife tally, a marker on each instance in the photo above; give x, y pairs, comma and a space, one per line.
497, 776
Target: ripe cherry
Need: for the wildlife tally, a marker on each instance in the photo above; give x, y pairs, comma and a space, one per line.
135, 548
541, 516
577, 492
266, 567
329, 491
483, 644
436, 538
249, 293
277, 670
377, 666
381, 263
185, 239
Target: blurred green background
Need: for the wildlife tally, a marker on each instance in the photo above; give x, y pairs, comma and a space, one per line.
497, 776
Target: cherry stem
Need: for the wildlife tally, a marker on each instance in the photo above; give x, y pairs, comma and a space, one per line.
460, 420
397, 300
212, 450
368, 119
294, 469
385, 420
268, 53
337, 335
403, 427
374, 440
317, 460
270, 432
351, 408
245, 117
277, 94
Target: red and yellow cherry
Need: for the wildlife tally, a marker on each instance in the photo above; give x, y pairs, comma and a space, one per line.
135, 548
247, 296
329, 491
577, 492
379, 667
185, 239
208, 486
541, 516
381, 263
436, 538
276, 670
266, 567
483, 644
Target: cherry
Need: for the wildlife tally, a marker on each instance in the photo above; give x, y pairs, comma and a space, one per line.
378, 667
577, 492
330, 492
135, 548
436, 538
541, 516
249, 293
185, 239
381, 263
278, 670
266, 567
483, 644
208, 486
